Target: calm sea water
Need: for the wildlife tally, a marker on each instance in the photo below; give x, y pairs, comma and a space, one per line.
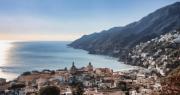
28, 56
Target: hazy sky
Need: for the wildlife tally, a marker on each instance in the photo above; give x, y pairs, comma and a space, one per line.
69, 19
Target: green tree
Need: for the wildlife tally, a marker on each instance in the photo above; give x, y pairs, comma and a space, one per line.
26, 73
122, 85
49, 90
78, 89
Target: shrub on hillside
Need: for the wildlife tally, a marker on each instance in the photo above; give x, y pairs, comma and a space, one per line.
49, 90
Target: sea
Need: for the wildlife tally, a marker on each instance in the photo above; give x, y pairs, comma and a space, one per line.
18, 57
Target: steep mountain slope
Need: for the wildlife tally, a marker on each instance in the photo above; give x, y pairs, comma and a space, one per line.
161, 54
170, 83
117, 40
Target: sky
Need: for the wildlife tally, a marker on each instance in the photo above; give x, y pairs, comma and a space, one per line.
67, 20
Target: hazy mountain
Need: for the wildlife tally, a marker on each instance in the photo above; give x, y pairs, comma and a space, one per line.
116, 39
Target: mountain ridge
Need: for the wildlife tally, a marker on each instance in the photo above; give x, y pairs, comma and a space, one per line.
118, 40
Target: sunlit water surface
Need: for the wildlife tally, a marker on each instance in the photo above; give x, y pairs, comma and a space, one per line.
18, 57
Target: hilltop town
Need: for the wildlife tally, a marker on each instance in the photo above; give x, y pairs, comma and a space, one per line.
161, 54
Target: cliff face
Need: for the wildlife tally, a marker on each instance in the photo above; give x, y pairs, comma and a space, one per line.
117, 40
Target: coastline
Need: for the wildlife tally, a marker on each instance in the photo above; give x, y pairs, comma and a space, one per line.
107, 61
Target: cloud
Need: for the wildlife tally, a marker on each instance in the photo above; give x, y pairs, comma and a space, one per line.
27, 27
38, 37
18, 25
26, 24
